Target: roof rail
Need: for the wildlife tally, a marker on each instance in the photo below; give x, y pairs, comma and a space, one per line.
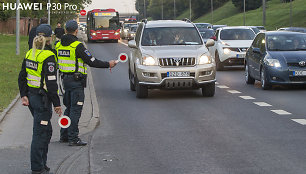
187, 20
145, 21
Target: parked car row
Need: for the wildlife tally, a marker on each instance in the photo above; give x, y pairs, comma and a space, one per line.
180, 54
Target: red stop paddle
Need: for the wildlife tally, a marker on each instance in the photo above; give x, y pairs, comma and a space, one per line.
64, 121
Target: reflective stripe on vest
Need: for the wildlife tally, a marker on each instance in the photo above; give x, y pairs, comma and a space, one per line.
67, 58
34, 67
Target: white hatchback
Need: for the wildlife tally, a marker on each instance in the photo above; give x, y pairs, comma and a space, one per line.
231, 44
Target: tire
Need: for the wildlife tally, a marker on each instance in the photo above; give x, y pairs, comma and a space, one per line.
248, 78
263, 79
132, 85
209, 90
219, 64
141, 91
116, 41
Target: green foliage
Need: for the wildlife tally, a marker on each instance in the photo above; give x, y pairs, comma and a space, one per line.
201, 7
249, 4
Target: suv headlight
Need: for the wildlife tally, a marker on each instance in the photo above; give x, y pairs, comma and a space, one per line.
204, 59
148, 60
226, 50
273, 62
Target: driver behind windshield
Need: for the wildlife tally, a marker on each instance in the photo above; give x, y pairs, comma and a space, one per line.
178, 39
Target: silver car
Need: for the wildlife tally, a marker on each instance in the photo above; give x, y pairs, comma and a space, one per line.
170, 55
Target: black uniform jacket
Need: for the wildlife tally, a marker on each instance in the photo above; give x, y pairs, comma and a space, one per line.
48, 74
83, 53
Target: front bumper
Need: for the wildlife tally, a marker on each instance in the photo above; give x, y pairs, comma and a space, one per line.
105, 37
156, 76
232, 58
277, 76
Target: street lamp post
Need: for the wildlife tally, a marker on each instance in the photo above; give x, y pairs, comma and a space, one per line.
190, 9
162, 10
263, 12
174, 9
290, 13
244, 12
17, 28
49, 13
144, 9
212, 11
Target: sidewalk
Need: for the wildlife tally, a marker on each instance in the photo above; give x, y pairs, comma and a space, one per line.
16, 135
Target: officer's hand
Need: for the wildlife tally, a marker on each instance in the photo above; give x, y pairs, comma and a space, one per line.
25, 101
58, 110
112, 63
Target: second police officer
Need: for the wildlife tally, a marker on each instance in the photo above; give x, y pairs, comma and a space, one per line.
72, 60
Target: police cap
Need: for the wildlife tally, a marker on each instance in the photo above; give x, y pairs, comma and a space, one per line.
71, 25
45, 29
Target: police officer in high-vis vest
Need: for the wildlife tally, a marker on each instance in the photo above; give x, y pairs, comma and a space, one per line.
73, 58
38, 90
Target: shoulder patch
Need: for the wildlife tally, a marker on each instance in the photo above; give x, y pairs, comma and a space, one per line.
87, 52
51, 68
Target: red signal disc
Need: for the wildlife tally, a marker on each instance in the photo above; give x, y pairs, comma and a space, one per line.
122, 57
64, 121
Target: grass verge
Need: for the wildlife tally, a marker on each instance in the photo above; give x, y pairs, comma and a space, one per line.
10, 65
277, 15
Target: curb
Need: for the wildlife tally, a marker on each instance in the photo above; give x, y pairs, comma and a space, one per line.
6, 110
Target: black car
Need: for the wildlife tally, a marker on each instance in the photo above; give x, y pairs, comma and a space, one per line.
294, 29
206, 34
276, 57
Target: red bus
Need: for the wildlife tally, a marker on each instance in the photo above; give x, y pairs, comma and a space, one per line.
103, 24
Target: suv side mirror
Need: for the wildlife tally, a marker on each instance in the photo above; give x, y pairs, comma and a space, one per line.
132, 44
210, 43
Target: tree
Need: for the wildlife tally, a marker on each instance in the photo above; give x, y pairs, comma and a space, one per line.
249, 4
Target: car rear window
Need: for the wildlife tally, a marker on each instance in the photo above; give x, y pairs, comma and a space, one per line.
237, 34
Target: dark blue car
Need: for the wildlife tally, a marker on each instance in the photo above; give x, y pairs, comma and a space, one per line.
276, 58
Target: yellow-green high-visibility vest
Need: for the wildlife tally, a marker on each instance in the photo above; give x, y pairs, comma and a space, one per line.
34, 67
67, 60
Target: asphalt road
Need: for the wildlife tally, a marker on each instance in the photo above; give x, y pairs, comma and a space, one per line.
181, 132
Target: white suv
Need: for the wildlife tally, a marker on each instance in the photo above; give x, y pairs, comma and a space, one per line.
170, 55
231, 44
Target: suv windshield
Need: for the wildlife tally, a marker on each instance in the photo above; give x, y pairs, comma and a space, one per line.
170, 36
287, 42
237, 34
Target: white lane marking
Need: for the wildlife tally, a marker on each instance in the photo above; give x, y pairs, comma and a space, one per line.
222, 87
233, 91
247, 97
123, 43
217, 83
262, 104
300, 121
281, 112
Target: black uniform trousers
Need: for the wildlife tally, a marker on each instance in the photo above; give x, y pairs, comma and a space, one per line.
42, 130
73, 100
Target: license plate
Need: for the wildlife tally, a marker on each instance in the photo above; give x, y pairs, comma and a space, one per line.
299, 73
178, 74
105, 37
240, 55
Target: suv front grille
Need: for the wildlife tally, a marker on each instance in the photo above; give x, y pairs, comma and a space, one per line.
237, 49
188, 61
